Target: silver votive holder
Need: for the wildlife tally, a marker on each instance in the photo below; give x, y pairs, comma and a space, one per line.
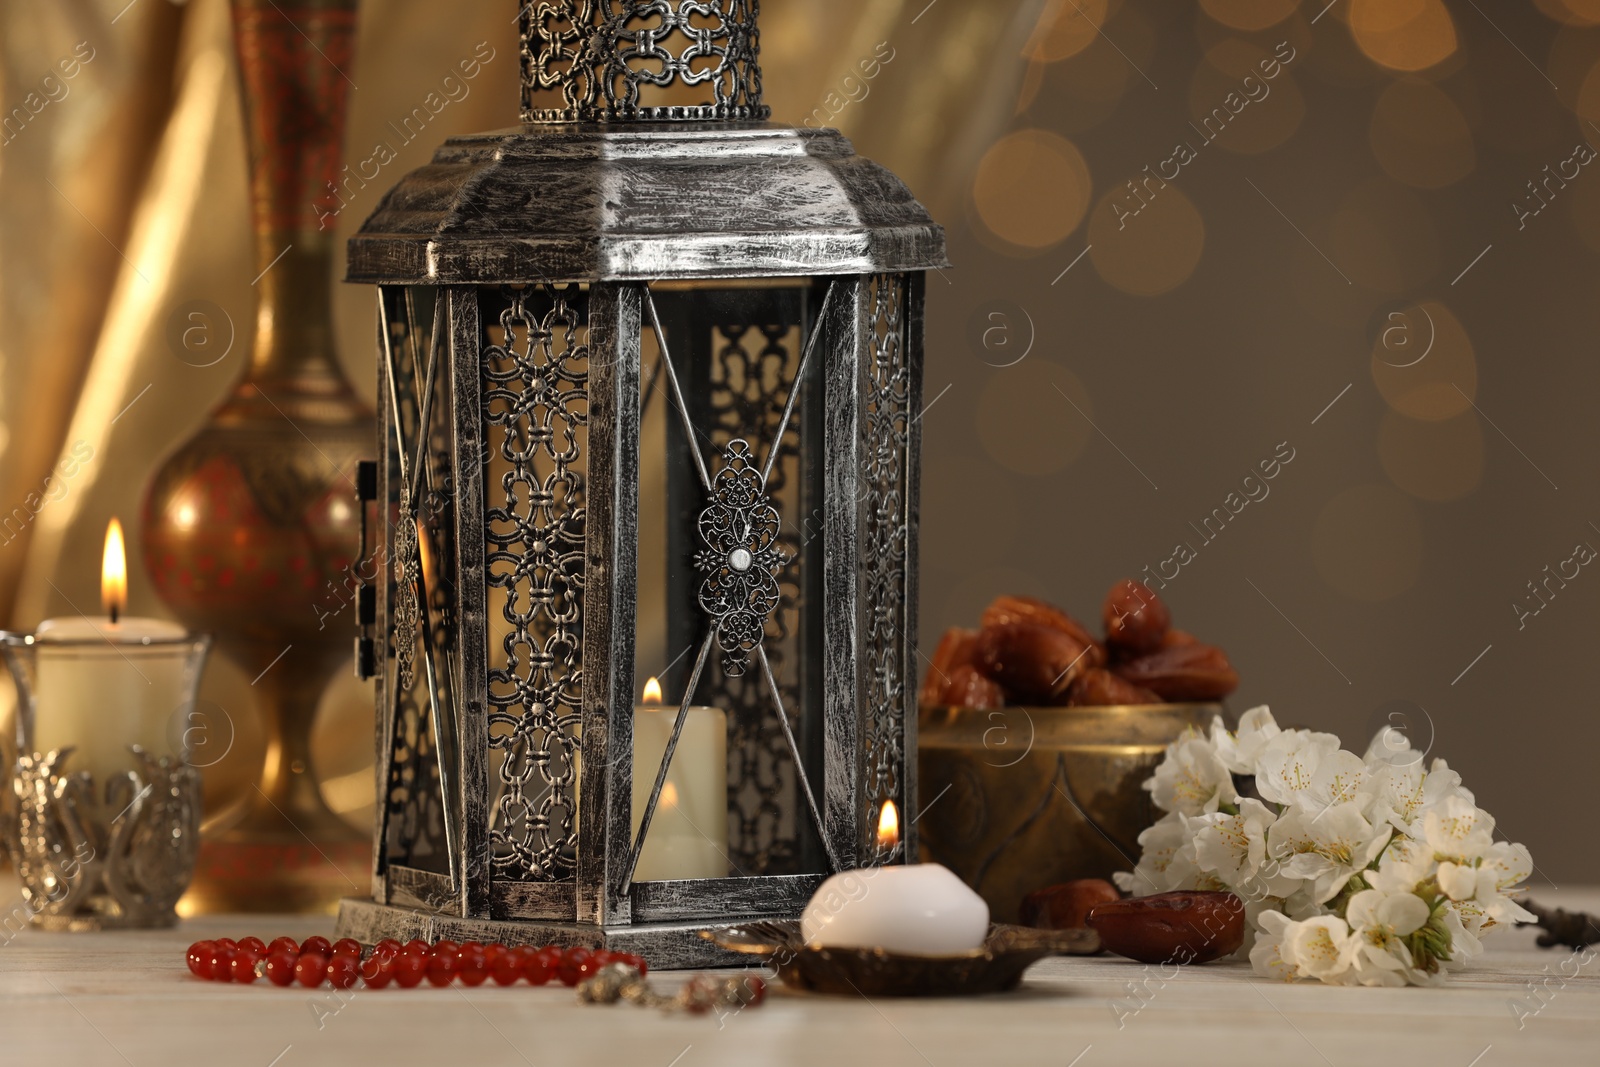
104, 830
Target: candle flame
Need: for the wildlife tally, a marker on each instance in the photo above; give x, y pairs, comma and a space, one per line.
652, 692
114, 572
888, 826
669, 795
425, 555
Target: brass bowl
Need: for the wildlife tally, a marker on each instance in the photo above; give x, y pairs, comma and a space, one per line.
996, 967
1016, 799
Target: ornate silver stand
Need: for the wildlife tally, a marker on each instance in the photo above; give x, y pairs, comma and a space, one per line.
104, 861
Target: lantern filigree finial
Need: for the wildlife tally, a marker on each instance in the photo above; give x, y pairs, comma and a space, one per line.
590, 60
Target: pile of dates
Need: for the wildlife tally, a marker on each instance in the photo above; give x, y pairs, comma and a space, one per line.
1183, 927
1032, 653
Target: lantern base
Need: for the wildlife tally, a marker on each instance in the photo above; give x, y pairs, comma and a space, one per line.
666, 945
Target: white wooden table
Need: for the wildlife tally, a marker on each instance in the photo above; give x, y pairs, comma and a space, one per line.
86, 1000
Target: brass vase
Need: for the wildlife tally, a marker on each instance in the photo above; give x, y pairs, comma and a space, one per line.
1017, 799
250, 527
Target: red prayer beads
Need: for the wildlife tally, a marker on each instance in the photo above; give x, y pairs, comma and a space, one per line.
316, 961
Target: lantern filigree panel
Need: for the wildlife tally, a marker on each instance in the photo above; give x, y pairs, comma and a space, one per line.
889, 443
418, 683
536, 404
590, 60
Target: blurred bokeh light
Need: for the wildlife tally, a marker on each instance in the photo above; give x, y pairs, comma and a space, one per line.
1435, 461
1423, 363
1272, 109
1419, 136
1403, 34
1151, 251
1249, 14
1032, 188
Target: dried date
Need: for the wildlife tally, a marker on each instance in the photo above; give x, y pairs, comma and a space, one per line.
1032, 662
955, 650
1100, 687
1008, 609
1066, 906
1185, 927
969, 689
1182, 673
1135, 618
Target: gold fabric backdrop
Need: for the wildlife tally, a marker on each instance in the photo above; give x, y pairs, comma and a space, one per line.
123, 201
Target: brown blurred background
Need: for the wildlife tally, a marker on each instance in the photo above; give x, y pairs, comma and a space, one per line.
1186, 236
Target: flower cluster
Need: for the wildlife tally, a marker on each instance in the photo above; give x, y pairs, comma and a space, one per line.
1356, 870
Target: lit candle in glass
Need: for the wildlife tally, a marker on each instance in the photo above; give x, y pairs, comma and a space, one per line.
920, 909
688, 836
105, 682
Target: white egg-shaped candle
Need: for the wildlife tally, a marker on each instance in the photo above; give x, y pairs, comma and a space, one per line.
920, 909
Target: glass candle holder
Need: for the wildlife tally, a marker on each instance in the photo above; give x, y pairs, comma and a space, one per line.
106, 823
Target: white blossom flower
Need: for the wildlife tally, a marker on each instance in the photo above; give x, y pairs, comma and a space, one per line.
1391, 745
1266, 955
1486, 883
1508, 863
1166, 859
1458, 881
1505, 866
1326, 847
1339, 779
1240, 749
1320, 948
1192, 779
1400, 913
1404, 867
1385, 963
1379, 921
1232, 847
1464, 943
1288, 763
1457, 829
1402, 793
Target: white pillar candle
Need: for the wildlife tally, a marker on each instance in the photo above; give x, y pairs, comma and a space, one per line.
688, 835
920, 909
101, 685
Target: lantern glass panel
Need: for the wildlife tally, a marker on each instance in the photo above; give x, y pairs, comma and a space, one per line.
736, 351
418, 508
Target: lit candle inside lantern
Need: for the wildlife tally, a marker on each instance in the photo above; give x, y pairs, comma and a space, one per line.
888, 827
920, 909
688, 836
101, 686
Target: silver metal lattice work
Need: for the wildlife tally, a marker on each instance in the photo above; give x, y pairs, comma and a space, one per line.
536, 405
886, 429
741, 557
598, 55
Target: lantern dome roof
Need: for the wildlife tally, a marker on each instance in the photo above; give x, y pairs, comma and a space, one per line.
644, 201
